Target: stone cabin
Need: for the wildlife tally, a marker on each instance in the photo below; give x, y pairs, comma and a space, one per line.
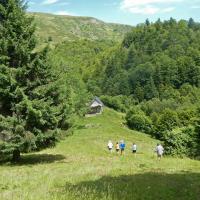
96, 106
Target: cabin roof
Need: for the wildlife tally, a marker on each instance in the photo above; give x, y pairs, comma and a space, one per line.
96, 102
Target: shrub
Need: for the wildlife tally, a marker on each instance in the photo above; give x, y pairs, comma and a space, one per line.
120, 103
167, 121
181, 142
137, 120
185, 116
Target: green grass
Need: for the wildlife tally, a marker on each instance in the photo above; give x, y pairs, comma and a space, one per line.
80, 167
69, 28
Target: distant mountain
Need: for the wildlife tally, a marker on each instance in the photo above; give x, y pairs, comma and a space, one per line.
59, 28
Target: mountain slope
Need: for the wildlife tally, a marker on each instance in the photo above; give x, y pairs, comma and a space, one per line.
61, 28
81, 168
80, 55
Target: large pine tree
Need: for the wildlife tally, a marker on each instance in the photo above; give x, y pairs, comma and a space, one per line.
32, 105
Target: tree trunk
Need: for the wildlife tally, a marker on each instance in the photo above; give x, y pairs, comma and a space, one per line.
16, 155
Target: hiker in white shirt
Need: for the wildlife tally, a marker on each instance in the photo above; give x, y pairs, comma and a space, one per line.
159, 151
134, 149
110, 145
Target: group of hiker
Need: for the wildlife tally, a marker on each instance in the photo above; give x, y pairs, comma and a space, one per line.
120, 148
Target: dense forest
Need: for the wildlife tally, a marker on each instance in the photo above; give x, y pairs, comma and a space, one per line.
152, 74
154, 77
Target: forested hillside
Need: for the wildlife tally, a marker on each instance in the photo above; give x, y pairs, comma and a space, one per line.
152, 75
82, 54
51, 67
157, 69
59, 28
150, 72
155, 55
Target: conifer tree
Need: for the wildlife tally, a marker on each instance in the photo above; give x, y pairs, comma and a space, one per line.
31, 99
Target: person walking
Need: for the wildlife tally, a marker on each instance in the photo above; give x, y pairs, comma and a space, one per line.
117, 147
122, 146
159, 151
134, 149
110, 146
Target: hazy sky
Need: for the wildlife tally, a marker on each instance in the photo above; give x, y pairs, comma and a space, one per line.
121, 11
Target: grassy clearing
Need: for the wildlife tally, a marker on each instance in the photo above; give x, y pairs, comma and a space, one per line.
81, 168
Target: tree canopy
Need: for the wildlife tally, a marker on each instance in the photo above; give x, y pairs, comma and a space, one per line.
157, 66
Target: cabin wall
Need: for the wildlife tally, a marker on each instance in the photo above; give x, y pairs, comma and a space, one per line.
96, 110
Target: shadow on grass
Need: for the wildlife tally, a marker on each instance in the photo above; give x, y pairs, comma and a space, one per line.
32, 159
147, 186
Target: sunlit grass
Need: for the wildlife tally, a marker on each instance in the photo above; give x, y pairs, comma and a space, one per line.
80, 167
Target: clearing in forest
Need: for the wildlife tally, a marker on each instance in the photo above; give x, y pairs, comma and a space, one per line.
80, 167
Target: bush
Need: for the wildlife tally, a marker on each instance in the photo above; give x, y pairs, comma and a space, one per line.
167, 121
158, 106
186, 116
137, 120
181, 142
114, 102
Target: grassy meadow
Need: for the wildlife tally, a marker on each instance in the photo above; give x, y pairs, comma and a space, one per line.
80, 167
61, 28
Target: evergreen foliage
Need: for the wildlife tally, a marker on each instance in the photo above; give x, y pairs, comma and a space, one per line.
153, 76
152, 56
158, 65
34, 101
